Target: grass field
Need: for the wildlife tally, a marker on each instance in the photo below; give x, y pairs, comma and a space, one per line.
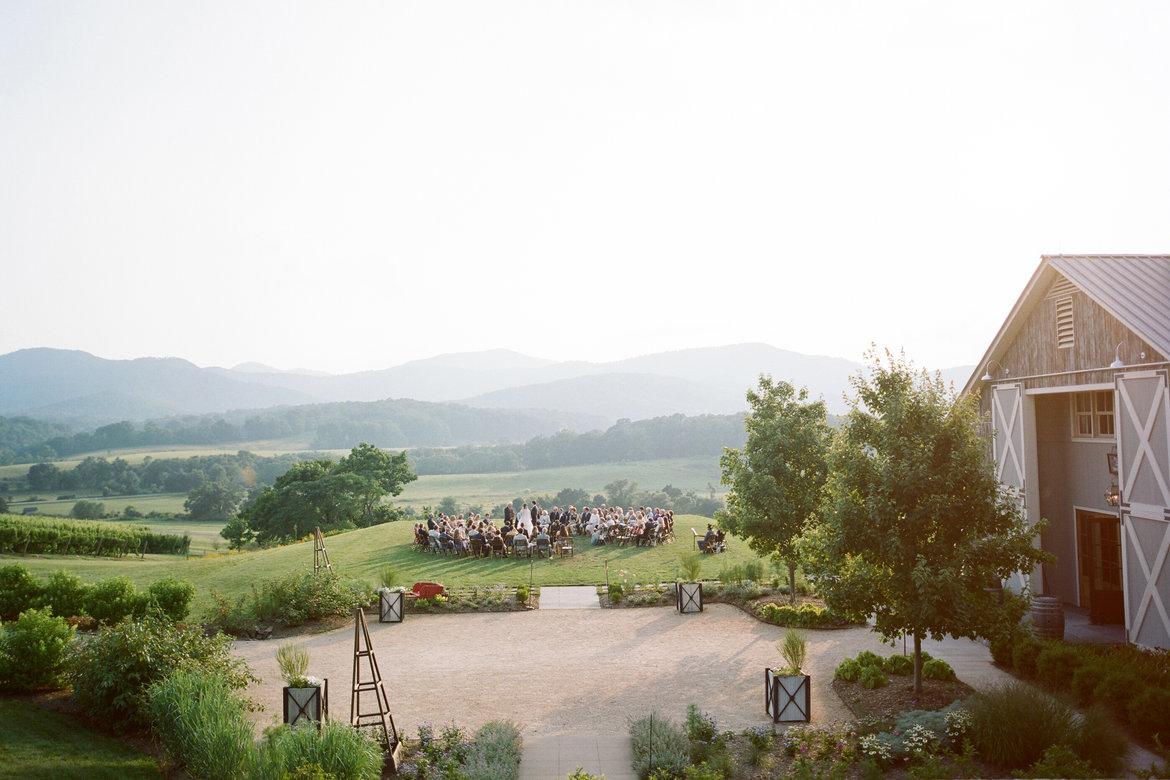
37, 743
167, 503
364, 553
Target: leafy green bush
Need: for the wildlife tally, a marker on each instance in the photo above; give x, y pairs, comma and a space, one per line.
338, 751
522, 593
1116, 689
1057, 663
112, 600
937, 669
806, 616
495, 753
1001, 648
849, 670
295, 598
19, 590
870, 658
111, 671
172, 596
65, 593
615, 592
1024, 654
33, 650
671, 749
1085, 681
900, 665
1149, 712
201, 724
872, 677
703, 735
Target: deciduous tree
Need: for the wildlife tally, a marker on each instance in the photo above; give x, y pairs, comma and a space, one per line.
914, 523
777, 480
214, 501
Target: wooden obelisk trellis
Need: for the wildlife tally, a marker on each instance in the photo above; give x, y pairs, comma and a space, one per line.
381, 717
320, 556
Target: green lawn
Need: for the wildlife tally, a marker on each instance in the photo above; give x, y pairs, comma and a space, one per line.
38, 743
365, 552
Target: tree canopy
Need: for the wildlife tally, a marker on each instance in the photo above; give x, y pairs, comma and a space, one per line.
321, 493
777, 479
915, 525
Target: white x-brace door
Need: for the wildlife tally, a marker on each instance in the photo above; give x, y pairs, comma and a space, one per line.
1007, 420
1143, 448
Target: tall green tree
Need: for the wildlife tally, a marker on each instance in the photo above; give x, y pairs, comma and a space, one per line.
214, 501
777, 479
915, 524
321, 493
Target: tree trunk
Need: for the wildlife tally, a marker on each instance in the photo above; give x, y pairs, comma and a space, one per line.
792, 583
917, 665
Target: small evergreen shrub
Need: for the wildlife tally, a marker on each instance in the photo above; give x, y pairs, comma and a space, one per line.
201, 724
65, 593
172, 596
112, 600
1149, 712
1057, 663
33, 650
1060, 761
1116, 689
938, 669
522, 593
899, 664
1085, 681
19, 590
1024, 655
872, 677
615, 592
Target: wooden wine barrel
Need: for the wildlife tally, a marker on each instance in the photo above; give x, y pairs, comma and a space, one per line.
1047, 617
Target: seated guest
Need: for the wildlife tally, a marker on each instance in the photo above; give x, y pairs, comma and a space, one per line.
705, 544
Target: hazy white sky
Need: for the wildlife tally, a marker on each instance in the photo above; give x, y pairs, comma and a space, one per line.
346, 186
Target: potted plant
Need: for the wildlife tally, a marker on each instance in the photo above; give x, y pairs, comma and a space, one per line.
787, 690
305, 698
391, 597
689, 594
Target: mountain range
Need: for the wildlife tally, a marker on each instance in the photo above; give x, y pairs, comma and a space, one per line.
86, 391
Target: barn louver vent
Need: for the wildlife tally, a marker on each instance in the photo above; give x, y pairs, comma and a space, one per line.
1064, 322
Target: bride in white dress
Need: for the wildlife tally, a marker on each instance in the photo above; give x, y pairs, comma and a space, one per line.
524, 520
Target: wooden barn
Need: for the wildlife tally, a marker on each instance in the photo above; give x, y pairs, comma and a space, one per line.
1076, 386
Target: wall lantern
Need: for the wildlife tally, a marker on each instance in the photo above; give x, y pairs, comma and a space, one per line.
987, 377
1113, 495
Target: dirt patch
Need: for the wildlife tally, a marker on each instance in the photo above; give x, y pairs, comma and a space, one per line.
889, 701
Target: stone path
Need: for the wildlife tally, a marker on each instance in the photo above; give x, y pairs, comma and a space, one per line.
569, 597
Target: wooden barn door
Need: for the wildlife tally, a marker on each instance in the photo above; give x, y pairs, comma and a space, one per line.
1007, 420
1143, 448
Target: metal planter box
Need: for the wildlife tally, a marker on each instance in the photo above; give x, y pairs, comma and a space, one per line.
306, 704
787, 698
390, 604
688, 597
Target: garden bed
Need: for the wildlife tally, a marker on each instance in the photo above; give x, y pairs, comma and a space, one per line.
886, 703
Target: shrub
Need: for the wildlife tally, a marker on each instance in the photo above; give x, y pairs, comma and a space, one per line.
703, 734
338, 751
1057, 663
615, 592
19, 590
869, 658
1149, 712
522, 593
1060, 761
849, 670
111, 671
670, 747
295, 598
1100, 741
1116, 689
898, 664
495, 753
1085, 681
64, 593
938, 669
1001, 648
872, 677
201, 724
689, 566
33, 650
112, 600
1013, 725
1024, 654
172, 596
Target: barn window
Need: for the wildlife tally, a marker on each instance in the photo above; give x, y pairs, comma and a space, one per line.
1064, 322
1092, 415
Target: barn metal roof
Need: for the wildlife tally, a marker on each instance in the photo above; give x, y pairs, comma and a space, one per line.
1135, 289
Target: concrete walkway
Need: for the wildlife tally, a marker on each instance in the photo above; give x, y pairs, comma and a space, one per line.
569, 597
558, 755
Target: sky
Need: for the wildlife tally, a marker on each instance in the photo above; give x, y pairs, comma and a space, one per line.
346, 186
